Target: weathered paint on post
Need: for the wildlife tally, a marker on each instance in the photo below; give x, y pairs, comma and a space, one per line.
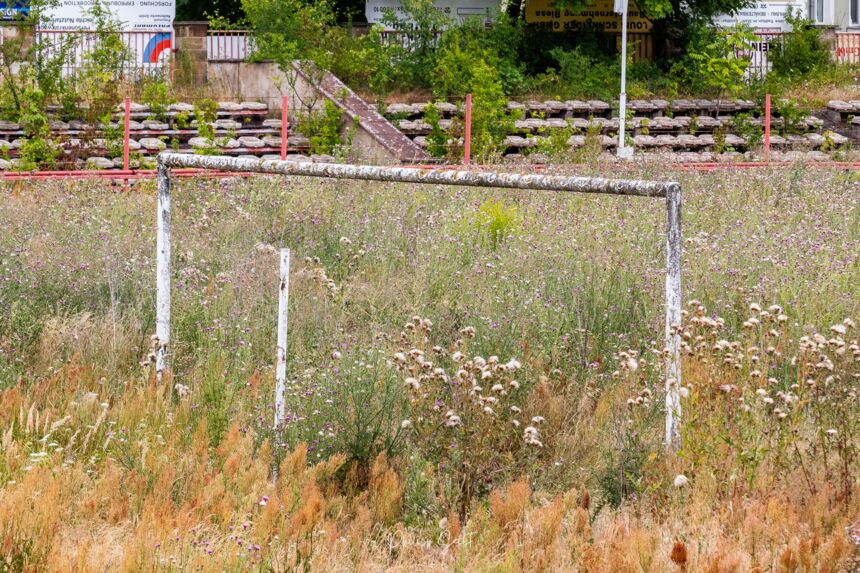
126, 135
281, 363
467, 138
285, 102
766, 127
673, 315
464, 178
162, 270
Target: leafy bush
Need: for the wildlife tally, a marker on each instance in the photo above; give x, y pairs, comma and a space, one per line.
719, 63
100, 80
497, 45
491, 121
350, 56
370, 408
155, 93
437, 139
30, 67
585, 76
802, 51
415, 58
791, 116
743, 127
495, 222
114, 136
206, 113
287, 30
323, 129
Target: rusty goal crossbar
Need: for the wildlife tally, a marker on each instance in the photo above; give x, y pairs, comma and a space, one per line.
670, 191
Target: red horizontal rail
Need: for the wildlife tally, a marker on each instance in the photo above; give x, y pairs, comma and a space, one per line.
151, 173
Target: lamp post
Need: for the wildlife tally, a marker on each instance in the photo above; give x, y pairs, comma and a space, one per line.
624, 152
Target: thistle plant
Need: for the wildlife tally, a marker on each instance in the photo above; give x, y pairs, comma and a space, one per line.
469, 414
779, 408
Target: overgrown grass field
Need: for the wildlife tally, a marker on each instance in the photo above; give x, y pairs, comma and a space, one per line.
475, 379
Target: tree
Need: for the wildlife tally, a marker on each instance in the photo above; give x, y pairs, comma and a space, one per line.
675, 21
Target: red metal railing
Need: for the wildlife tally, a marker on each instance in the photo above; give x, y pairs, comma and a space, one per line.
847, 48
149, 51
228, 45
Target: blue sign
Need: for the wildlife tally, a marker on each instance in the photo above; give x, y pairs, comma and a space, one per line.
14, 9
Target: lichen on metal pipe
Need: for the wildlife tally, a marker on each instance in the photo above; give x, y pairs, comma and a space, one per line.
465, 178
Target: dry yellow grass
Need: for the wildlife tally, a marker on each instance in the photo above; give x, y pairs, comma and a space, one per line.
103, 469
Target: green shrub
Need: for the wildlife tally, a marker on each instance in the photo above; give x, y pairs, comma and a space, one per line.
495, 222
743, 127
114, 136
30, 67
415, 61
802, 52
288, 30
719, 62
497, 45
155, 93
100, 80
791, 115
491, 121
38, 152
583, 76
206, 112
370, 408
437, 139
323, 129
350, 56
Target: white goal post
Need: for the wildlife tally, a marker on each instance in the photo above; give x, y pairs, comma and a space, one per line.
670, 191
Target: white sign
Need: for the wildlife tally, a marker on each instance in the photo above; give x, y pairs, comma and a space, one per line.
457, 10
140, 15
768, 16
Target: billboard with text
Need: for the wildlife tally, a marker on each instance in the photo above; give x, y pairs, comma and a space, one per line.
134, 15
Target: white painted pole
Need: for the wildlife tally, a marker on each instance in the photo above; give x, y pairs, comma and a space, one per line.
623, 151
281, 364
162, 271
673, 315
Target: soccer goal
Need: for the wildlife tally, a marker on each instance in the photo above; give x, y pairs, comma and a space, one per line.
670, 191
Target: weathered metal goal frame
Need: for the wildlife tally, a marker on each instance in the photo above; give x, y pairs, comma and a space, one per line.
670, 191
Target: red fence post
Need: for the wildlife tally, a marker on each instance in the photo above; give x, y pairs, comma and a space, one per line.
766, 127
284, 127
125, 133
467, 140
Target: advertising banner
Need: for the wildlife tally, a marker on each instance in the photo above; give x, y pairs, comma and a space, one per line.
135, 15
769, 16
456, 10
600, 14
13, 10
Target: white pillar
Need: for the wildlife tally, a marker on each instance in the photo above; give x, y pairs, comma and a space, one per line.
623, 151
162, 271
281, 361
673, 316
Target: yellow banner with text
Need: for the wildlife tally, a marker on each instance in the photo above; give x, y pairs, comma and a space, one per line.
599, 14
